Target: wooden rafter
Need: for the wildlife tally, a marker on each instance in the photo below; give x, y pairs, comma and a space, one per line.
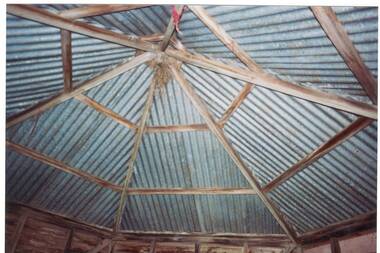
98, 9
132, 159
169, 30
326, 147
218, 132
336, 32
48, 18
17, 233
268, 81
352, 226
61, 166
66, 60
176, 128
222, 35
60, 98
104, 110
238, 100
190, 191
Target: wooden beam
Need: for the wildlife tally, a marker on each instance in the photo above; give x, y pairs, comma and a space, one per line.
271, 82
335, 248
170, 30
104, 110
190, 191
222, 35
326, 147
98, 9
48, 18
136, 147
152, 248
60, 98
104, 243
238, 100
61, 166
66, 60
340, 229
176, 128
17, 233
218, 132
68, 242
336, 32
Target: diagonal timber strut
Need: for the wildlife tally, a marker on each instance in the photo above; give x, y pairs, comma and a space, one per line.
131, 162
218, 132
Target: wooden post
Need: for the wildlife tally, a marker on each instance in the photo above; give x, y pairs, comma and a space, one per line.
17, 233
68, 242
104, 243
335, 248
66, 60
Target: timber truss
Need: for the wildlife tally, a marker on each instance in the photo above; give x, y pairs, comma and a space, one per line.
158, 46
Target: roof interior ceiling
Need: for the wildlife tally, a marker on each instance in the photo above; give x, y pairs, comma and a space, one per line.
270, 131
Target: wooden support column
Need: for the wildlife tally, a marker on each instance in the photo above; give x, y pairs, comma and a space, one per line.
335, 248
326, 147
336, 32
152, 248
69, 240
197, 247
66, 60
218, 132
245, 248
60, 98
17, 233
104, 243
131, 162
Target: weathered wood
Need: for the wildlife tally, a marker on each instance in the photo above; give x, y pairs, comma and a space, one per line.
104, 110
336, 32
104, 243
340, 229
68, 243
221, 34
238, 100
218, 132
17, 233
245, 248
93, 82
176, 128
273, 83
190, 191
335, 248
98, 9
66, 60
136, 147
339, 138
218, 239
197, 247
48, 18
152, 248
169, 30
61, 166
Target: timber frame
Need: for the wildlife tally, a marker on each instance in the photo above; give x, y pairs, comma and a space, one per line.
255, 75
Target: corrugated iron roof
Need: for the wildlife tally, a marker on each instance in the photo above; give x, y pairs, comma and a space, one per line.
270, 131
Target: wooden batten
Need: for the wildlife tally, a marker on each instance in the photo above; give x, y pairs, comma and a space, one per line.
219, 134
336, 32
89, 84
191, 191
66, 60
268, 81
98, 9
339, 138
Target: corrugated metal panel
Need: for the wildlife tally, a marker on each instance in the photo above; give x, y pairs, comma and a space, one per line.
213, 214
338, 186
34, 183
271, 131
287, 41
193, 159
36, 73
34, 65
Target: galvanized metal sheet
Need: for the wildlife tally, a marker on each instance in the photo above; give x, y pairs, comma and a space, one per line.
340, 185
